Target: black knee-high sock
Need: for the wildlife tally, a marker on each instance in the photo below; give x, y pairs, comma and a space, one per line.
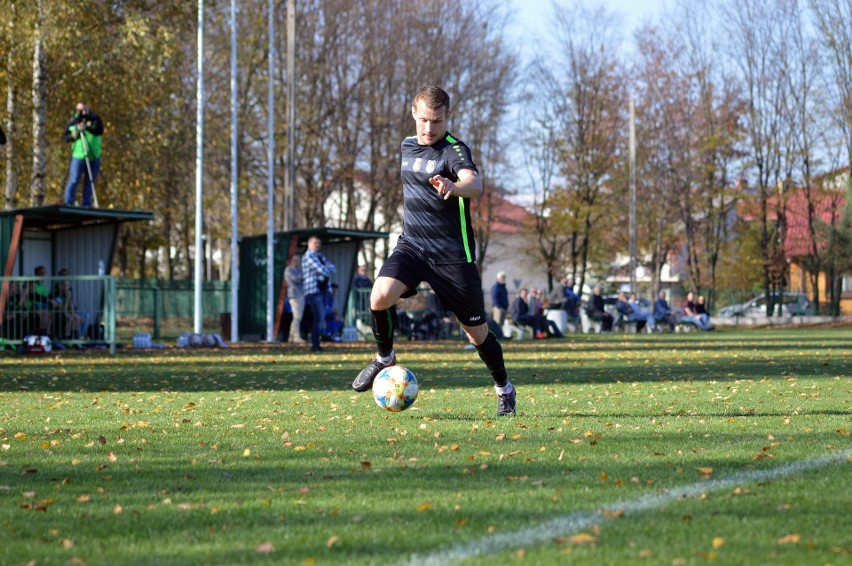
384, 324
492, 354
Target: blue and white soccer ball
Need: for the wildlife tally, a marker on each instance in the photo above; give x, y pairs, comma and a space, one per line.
395, 389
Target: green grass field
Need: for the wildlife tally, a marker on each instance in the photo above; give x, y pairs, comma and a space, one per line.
259, 454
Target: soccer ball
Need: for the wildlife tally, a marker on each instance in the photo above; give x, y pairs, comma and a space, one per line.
395, 389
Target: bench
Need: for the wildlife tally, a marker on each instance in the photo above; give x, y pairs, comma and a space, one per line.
625, 324
514, 331
563, 321
589, 324
685, 326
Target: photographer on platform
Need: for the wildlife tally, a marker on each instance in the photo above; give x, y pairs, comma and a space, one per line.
83, 132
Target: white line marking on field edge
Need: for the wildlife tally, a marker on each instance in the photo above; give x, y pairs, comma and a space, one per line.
576, 522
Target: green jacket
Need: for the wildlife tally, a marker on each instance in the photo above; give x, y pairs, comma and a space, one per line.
91, 134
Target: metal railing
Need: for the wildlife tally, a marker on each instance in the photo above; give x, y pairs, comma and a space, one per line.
71, 310
151, 305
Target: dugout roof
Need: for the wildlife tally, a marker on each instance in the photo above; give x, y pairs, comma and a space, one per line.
60, 236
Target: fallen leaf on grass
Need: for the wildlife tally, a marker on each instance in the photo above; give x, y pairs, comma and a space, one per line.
582, 538
424, 506
332, 540
792, 538
265, 548
718, 542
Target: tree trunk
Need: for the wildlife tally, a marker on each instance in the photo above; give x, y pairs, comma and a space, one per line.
11, 175
37, 189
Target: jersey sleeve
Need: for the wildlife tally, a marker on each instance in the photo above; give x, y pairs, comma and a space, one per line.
458, 157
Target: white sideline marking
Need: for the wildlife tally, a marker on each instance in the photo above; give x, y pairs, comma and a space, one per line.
580, 520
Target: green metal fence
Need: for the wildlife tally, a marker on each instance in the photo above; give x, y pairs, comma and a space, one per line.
152, 305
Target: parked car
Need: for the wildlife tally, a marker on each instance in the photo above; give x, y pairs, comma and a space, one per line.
792, 304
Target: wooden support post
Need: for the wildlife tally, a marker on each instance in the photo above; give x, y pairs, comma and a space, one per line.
14, 244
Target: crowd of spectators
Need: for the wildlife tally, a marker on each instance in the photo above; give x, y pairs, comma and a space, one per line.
608, 313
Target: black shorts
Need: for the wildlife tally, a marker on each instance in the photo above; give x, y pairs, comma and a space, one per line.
458, 286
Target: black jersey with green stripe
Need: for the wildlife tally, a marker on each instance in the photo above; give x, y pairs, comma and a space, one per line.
440, 229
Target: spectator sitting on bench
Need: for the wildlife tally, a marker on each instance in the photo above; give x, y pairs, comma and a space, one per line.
536, 302
690, 315
701, 311
17, 318
641, 314
73, 322
627, 312
39, 302
571, 302
521, 315
663, 313
595, 310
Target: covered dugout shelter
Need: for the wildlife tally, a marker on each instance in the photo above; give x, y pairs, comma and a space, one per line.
56, 237
340, 246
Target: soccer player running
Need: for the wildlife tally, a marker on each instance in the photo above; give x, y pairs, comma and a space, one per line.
439, 178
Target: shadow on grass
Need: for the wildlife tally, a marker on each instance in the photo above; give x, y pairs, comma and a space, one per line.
721, 356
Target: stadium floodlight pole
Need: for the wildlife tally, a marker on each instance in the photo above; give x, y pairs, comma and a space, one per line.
198, 323
270, 183
632, 197
235, 225
289, 186
89, 168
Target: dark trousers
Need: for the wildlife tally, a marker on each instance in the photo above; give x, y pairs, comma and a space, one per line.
315, 300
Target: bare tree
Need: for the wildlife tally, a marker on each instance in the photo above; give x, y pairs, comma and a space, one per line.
802, 65
754, 33
833, 19
660, 114
718, 109
582, 95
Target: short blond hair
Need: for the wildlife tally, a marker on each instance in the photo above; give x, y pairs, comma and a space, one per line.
435, 97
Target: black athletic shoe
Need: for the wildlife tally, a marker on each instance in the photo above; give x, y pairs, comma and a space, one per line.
506, 404
365, 379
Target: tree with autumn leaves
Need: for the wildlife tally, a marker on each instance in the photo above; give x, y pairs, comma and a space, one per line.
734, 109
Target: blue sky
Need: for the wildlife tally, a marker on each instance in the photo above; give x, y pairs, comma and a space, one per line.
534, 14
